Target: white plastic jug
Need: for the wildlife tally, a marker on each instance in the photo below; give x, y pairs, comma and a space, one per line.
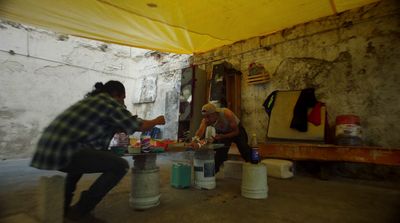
210, 134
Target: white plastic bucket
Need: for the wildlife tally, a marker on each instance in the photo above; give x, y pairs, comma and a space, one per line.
145, 192
254, 181
204, 169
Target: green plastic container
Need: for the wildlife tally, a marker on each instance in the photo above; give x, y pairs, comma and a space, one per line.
181, 175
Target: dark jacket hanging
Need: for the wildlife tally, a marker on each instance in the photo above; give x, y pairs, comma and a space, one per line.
306, 100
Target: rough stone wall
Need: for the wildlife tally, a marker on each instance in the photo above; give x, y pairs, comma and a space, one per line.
42, 73
351, 59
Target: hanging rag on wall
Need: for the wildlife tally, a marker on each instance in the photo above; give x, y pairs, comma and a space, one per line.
306, 100
269, 102
315, 115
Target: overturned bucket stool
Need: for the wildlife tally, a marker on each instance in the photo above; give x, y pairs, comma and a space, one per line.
204, 169
145, 192
254, 181
51, 199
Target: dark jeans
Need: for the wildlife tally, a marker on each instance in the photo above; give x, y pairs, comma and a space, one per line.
84, 161
241, 141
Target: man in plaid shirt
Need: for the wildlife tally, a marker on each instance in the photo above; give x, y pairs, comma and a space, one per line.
76, 142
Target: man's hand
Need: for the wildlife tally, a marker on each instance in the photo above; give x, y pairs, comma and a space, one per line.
211, 139
149, 124
218, 137
197, 144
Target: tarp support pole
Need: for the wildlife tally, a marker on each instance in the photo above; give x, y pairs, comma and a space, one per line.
333, 6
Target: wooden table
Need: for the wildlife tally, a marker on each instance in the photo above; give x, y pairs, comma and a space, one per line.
182, 147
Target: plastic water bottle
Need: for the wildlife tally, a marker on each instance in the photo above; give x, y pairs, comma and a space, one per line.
255, 156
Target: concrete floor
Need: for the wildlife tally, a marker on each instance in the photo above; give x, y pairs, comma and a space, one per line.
303, 198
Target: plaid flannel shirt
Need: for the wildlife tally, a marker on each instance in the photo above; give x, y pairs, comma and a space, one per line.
89, 123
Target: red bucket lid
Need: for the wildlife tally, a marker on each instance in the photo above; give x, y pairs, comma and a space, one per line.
347, 119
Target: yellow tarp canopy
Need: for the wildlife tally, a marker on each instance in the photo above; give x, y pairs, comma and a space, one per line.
179, 26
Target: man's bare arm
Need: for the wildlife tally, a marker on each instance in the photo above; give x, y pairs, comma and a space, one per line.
148, 124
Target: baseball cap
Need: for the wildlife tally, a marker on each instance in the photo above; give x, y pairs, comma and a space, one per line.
209, 109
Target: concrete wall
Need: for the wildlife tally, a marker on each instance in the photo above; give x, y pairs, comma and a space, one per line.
42, 73
351, 59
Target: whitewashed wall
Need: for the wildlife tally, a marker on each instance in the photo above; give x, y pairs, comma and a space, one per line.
42, 73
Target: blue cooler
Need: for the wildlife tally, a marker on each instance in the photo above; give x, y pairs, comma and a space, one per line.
181, 175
